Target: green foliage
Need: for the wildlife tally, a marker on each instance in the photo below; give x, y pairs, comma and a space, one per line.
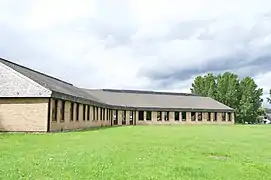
269, 99
242, 95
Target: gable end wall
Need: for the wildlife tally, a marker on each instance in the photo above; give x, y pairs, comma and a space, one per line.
14, 84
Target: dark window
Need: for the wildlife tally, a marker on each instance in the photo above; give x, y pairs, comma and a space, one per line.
229, 116
124, 117
107, 114
71, 111
77, 112
110, 115
94, 113
84, 112
104, 114
101, 114
209, 116
183, 116
131, 117
199, 116
148, 116
159, 116
193, 116
62, 111
215, 116
88, 113
177, 116
116, 117
141, 115
223, 116
167, 116
54, 109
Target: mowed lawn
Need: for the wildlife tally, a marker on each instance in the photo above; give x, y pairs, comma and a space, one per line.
140, 152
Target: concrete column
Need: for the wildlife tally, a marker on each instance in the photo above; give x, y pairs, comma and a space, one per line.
81, 112
98, 114
219, 117
163, 116
233, 117
91, 113
127, 117
180, 116
204, 116
188, 117
136, 117
145, 115
105, 114
120, 117
227, 117
196, 114
171, 116
154, 116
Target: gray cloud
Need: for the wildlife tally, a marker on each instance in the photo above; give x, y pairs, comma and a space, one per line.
239, 64
114, 48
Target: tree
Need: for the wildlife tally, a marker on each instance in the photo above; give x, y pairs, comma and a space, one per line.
250, 101
242, 95
228, 89
205, 86
269, 99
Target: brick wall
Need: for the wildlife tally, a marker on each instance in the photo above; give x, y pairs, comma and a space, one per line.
23, 114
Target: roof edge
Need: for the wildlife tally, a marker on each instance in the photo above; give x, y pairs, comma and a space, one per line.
35, 71
147, 92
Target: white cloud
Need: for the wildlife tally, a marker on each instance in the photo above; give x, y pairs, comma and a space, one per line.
106, 44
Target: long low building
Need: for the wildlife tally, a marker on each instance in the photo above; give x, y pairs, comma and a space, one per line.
33, 101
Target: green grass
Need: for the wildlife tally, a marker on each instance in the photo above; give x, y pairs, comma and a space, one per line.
140, 152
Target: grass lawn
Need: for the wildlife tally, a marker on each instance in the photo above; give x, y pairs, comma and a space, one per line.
140, 152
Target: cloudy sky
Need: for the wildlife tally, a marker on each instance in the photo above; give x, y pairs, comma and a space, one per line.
138, 44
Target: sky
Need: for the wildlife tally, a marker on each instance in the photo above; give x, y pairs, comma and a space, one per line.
138, 44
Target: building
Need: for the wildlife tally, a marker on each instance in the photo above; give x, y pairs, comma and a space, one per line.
266, 119
33, 101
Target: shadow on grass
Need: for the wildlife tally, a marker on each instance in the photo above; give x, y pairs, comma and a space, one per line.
90, 129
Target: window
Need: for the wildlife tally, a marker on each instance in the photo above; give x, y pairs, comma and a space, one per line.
215, 116
104, 114
115, 116
62, 111
54, 109
177, 116
77, 112
199, 116
84, 112
209, 116
88, 113
166, 116
94, 113
109, 114
229, 116
183, 116
123, 117
193, 116
141, 115
131, 117
223, 116
101, 114
71, 111
148, 118
159, 116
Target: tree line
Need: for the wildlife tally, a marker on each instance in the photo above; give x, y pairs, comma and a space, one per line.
243, 95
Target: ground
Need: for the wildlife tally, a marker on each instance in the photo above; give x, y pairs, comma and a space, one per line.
140, 152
